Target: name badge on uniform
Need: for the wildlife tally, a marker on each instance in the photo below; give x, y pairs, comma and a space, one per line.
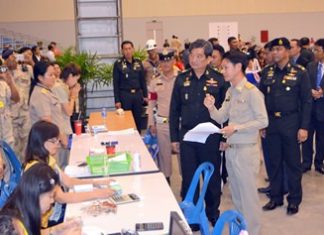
212, 82
186, 83
159, 84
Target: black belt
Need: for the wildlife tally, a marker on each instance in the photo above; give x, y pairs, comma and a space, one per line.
281, 114
133, 90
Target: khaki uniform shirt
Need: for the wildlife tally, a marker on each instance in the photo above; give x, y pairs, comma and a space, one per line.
44, 103
22, 81
151, 69
163, 87
244, 107
6, 133
61, 90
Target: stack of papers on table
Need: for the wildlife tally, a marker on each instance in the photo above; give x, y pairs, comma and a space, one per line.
99, 128
201, 132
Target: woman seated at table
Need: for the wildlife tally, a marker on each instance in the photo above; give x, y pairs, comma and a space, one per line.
34, 197
43, 143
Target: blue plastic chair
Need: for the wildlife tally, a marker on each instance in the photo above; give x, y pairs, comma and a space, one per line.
235, 221
195, 213
13, 171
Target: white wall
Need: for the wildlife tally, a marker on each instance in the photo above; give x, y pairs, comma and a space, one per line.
291, 25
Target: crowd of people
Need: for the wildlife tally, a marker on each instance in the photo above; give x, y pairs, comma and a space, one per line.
266, 100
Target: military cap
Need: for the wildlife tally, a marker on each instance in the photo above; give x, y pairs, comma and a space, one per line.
6, 53
166, 54
280, 42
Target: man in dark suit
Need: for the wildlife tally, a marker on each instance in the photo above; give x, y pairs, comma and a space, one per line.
295, 56
316, 70
306, 51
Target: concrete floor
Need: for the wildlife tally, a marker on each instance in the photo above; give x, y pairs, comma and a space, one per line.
309, 220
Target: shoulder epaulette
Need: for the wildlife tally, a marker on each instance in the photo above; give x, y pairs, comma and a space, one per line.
249, 85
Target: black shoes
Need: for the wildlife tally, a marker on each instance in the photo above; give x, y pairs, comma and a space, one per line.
264, 190
213, 221
271, 205
292, 209
194, 227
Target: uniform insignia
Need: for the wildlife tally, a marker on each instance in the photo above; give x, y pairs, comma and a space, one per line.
249, 85
187, 82
1, 104
287, 88
205, 88
280, 42
291, 78
284, 81
301, 67
44, 91
211, 82
186, 96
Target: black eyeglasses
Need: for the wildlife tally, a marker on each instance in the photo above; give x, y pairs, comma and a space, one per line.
54, 141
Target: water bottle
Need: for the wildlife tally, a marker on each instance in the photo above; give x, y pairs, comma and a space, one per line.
104, 115
136, 162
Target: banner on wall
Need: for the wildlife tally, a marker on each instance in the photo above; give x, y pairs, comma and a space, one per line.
222, 31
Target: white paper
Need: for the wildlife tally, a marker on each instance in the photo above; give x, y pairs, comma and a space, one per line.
129, 131
201, 132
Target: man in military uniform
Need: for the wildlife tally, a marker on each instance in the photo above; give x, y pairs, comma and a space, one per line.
22, 75
8, 94
288, 99
245, 111
129, 83
151, 64
187, 105
162, 88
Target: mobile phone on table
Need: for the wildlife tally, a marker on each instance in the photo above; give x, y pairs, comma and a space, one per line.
149, 226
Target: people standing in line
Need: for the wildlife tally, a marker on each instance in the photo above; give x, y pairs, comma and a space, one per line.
22, 75
162, 87
288, 99
186, 111
245, 111
316, 74
130, 89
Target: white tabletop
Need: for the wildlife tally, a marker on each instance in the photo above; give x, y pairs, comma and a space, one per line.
131, 142
157, 200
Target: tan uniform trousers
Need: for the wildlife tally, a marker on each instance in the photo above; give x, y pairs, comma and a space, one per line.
165, 148
242, 163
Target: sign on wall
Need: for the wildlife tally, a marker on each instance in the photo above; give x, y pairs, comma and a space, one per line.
222, 31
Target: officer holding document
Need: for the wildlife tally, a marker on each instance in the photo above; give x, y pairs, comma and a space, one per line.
187, 110
245, 111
